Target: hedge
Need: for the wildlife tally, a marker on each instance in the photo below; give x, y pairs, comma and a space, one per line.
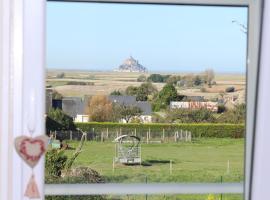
197, 129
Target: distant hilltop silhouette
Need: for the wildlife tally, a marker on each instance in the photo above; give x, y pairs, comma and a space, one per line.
131, 65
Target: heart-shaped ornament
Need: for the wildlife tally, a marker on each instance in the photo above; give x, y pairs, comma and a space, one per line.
31, 149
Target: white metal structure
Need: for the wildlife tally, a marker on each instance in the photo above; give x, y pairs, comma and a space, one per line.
22, 72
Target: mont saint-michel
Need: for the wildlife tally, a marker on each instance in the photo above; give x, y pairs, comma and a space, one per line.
131, 65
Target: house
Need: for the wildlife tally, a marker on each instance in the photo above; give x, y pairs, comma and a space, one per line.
122, 100
75, 108
72, 106
209, 105
81, 118
146, 108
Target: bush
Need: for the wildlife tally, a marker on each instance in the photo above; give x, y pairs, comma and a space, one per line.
55, 163
78, 175
190, 116
230, 89
158, 78
79, 83
219, 130
141, 78
58, 120
116, 93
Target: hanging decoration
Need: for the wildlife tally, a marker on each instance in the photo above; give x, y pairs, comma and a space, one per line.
30, 150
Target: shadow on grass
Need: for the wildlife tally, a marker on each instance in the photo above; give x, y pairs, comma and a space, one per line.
147, 163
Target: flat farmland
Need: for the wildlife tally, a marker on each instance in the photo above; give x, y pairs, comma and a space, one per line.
106, 82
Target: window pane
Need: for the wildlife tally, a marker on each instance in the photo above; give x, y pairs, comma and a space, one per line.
140, 93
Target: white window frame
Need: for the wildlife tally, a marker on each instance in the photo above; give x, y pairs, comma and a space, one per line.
22, 90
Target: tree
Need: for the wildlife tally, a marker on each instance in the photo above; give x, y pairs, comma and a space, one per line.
197, 80
99, 109
145, 90
116, 93
58, 120
142, 92
158, 78
168, 94
189, 116
131, 90
164, 97
127, 112
209, 76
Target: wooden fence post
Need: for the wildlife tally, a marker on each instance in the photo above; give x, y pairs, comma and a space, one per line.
163, 134
170, 167
113, 165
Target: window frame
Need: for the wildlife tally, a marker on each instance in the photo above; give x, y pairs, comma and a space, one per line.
24, 47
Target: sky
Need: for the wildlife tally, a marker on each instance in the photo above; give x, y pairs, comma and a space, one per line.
169, 38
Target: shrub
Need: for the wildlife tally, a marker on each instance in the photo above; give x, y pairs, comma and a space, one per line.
158, 78
141, 78
116, 93
230, 89
79, 83
58, 120
55, 163
78, 175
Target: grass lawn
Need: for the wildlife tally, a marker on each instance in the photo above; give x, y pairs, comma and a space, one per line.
203, 160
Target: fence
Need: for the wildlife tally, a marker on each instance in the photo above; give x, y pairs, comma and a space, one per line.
153, 133
108, 135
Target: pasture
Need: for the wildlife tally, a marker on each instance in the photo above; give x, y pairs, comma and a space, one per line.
202, 160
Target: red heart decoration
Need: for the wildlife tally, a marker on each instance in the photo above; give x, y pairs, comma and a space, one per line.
31, 149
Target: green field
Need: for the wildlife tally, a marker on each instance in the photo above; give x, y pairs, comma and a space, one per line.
202, 160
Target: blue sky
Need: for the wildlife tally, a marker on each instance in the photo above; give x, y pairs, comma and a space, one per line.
98, 36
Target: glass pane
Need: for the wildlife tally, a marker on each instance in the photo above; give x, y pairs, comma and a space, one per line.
140, 93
